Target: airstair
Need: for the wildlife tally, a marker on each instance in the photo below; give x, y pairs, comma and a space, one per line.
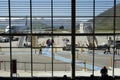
21, 41
87, 27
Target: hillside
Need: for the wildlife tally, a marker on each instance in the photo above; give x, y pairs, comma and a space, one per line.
106, 19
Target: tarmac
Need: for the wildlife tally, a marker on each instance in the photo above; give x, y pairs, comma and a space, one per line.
42, 64
62, 60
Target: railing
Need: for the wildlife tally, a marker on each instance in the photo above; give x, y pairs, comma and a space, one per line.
39, 66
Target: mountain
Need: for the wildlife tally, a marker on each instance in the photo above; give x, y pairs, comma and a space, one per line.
105, 20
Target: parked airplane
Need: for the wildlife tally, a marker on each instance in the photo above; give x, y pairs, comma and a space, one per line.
16, 29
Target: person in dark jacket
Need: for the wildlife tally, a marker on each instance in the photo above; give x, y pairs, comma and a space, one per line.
104, 74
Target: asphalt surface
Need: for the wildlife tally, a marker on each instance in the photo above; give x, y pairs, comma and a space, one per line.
23, 56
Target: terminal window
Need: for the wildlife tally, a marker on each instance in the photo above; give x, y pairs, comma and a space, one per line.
58, 37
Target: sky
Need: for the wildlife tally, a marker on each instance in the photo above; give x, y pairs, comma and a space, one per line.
60, 7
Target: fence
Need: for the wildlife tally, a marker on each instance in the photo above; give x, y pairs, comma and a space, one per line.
38, 66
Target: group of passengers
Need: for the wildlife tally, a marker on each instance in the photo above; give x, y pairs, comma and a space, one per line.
49, 42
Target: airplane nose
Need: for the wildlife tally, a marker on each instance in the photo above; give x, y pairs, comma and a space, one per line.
7, 30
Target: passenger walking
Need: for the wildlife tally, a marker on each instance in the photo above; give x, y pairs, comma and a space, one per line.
110, 41
40, 49
65, 41
48, 42
52, 42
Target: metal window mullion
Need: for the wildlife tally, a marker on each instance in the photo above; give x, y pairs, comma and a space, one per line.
9, 11
31, 37
114, 36
73, 22
93, 35
52, 33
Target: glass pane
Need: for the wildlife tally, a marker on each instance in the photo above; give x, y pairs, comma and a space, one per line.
117, 53
84, 25
104, 54
41, 25
22, 41
61, 16
62, 56
20, 8
42, 59
104, 24
3, 8
104, 7
41, 16
117, 8
41, 8
5, 62
4, 41
23, 62
84, 8
83, 56
61, 8
117, 29
62, 25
